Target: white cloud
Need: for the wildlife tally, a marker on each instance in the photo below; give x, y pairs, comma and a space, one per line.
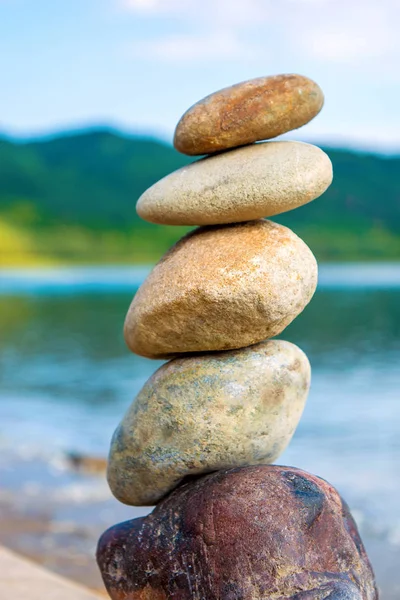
328, 31
189, 48
152, 6
341, 46
311, 2
216, 26
345, 32
213, 12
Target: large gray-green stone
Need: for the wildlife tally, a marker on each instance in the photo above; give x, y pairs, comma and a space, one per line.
208, 412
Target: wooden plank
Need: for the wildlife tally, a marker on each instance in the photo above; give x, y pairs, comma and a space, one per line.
21, 579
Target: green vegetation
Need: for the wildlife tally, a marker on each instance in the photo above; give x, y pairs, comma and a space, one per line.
72, 199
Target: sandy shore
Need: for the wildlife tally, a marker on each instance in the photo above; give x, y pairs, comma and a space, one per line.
54, 513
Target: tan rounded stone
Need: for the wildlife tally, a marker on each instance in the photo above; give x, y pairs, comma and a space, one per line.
248, 183
220, 288
205, 413
258, 109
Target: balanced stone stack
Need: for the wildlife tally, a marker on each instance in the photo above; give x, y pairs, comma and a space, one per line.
200, 437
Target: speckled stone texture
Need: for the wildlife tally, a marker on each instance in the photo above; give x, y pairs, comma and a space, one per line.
258, 109
257, 181
205, 413
221, 288
251, 533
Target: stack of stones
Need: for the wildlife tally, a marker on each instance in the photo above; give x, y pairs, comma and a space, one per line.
200, 437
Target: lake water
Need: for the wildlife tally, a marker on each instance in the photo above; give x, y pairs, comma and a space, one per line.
66, 378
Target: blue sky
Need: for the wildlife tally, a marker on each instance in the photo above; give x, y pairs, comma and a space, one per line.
139, 64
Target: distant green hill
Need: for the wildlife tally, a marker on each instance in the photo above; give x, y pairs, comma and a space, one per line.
72, 199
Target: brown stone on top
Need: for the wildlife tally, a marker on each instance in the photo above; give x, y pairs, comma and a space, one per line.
221, 288
254, 110
263, 532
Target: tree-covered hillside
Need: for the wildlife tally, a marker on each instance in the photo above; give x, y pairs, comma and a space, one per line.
72, 198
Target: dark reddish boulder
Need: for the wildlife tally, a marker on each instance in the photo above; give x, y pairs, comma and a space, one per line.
262, 532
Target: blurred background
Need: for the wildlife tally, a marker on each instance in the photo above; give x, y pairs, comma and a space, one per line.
91, 92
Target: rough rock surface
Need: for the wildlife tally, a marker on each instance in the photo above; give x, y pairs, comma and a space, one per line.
258, 109
208, 412
221, 288
248, 183
252, 533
